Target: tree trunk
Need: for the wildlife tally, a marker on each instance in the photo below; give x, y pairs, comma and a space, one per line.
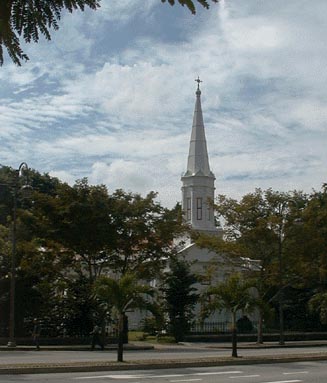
125, 329
234, 336
281, 319
120, 348
260, 328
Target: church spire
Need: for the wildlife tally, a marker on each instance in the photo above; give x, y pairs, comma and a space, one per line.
198, 162
198, 190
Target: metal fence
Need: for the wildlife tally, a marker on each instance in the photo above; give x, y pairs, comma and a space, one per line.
217, 327
211, 327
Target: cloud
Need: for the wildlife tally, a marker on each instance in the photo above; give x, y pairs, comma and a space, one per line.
123, 10
121, 172
112, 96
64, 176
136, 177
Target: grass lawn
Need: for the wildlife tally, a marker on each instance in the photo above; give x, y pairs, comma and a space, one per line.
141, 336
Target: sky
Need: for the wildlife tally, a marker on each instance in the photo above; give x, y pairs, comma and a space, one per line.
111, 96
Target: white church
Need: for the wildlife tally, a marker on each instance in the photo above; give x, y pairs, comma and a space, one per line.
198, 189
198, 181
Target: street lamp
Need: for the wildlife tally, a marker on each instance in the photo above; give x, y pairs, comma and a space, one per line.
281, 284
281, 235
25, 188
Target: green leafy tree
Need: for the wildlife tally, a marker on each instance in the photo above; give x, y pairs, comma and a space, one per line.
71, 235
29, 20
318, 303
313, 265
190, 4
180, 297
84, 232
121, 295
314, 244
75, 232
144, 233
44, 260
5, 256
13, 212
232, 295
82, 223
248, 232
262, 238
78, 308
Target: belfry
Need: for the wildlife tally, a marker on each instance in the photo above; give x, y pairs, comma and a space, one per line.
198, 181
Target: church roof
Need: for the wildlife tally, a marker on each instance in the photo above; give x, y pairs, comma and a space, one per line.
198, 162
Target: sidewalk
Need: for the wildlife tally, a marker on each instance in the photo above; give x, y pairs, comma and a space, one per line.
131, 346
138, 345
87, 364
254, 345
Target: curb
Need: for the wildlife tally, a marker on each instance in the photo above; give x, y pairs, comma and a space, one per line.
146, 365
129, 347
268, 346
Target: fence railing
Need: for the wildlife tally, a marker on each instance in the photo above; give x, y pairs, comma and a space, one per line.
216, 327
211, 327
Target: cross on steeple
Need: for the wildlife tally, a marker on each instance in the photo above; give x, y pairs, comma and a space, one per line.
198, 81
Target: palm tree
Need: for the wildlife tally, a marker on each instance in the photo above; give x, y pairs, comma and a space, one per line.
121, 295
232, 295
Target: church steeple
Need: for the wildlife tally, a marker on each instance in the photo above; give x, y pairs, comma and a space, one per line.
198, 181
198, 162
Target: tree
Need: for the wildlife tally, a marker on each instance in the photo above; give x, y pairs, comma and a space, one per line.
179, 296
144, 233
232, 295
121, 295
61, 240
76, 234
32, 18
313, 267
5, 257
262, 227
191, 4
71, 230
11, 202
318, 303
81, 222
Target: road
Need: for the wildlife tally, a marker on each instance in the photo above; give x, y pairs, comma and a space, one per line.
299, 372
178, 352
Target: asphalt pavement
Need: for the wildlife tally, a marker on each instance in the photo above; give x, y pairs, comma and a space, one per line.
140, 355
298, 372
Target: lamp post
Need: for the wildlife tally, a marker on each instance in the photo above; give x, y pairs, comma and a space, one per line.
281, 284
281, 235
12, 342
